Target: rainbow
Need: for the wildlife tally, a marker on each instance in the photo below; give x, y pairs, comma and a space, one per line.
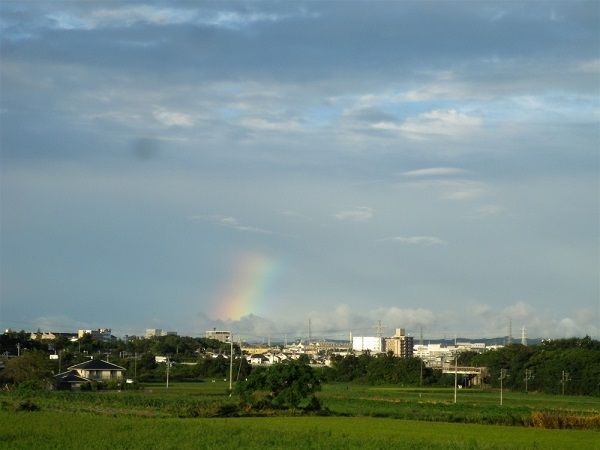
248, 287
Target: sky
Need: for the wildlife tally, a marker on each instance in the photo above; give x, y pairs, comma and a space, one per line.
255, 165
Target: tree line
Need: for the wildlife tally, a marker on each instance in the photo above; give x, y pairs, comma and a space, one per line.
571, 366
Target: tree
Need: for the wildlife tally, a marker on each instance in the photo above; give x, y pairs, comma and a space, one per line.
33, 369
286, 384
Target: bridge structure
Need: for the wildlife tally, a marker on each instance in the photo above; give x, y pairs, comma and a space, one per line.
475, 374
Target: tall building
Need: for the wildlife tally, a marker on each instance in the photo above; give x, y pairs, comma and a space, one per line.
222, 336
400, 344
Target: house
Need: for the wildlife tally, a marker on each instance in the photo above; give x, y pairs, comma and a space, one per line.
69, 381
257, 359
98, 370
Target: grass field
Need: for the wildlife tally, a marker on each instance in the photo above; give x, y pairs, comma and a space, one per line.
184, 416
45, 430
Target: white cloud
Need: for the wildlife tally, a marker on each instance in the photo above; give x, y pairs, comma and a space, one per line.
417, 240
173, 118
404, 317
262, 124
128, 16
436, 123
433, 171
230, 222
519, 310
490, 210
358, 214
591, 66
462, 190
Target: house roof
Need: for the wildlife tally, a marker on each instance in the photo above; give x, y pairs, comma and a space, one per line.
96, 364
70, 377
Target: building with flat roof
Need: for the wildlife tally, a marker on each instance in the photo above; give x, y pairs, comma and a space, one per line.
101, 334
400, 344
367, 343
157, 332
222, 336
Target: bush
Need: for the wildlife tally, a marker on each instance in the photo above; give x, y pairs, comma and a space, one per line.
26, 405
559, 421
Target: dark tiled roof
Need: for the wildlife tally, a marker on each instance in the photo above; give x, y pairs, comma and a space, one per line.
69, 377
96, 364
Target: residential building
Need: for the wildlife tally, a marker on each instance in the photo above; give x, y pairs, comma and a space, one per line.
400, 344
156, 332
98, 370
101, 334
70, 381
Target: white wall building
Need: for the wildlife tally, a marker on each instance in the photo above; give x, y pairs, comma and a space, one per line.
370, 343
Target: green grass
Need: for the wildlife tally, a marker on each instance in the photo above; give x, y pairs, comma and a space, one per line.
157, 417
473, 406
61, 430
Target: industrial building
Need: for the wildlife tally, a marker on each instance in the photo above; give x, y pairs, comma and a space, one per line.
367, 343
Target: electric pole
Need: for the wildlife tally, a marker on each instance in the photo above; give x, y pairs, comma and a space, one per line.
502, 377
528, 376
230, 363
168, 365
456, 375
564, 379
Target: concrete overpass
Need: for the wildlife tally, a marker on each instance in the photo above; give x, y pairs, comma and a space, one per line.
476, 374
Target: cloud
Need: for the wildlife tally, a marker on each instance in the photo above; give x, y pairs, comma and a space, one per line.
519, 310
404, 317
230, 222
417, 240
358, 214
173, 118
462, 190
128, 16
437, 123
434, 171
490, 210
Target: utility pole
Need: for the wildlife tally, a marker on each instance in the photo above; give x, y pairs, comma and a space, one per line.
502, 377
230, 363
168, 365
421, 366
309, 332
564, 379
135, 366
18, 349
523, 336
455, 375
528, 376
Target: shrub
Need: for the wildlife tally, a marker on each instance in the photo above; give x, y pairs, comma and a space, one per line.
26, 405
559, 421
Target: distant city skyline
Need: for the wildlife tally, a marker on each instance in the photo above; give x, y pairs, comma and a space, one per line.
249, 166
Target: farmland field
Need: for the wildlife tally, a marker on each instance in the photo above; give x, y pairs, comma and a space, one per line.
186, 416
